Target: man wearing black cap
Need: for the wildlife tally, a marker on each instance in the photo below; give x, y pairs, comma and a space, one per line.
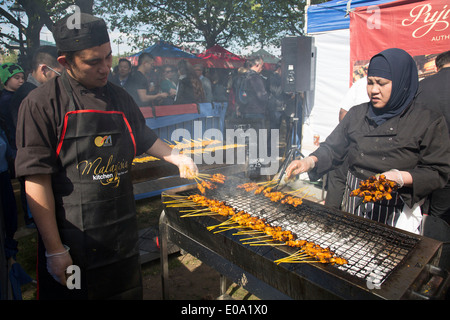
77, 136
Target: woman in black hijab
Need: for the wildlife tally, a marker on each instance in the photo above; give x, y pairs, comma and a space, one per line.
389, 135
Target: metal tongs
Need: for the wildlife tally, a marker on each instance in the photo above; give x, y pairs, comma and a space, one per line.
291, 155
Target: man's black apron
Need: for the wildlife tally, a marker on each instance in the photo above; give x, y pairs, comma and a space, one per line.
95, 206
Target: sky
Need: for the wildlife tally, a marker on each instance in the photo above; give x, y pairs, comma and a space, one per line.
118, 49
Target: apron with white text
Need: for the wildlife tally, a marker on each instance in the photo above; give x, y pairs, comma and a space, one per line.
95, 206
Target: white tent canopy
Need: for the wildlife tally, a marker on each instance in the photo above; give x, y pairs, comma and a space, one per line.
328, 23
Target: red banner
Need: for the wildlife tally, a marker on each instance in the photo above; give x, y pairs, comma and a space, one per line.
422, 28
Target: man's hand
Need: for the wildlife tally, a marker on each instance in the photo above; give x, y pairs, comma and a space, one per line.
57, 264
188, 169
184, 163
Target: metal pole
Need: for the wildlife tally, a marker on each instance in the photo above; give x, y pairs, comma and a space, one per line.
163, 242
308, 4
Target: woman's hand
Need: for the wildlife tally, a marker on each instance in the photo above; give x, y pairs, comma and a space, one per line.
402, 178
299, 166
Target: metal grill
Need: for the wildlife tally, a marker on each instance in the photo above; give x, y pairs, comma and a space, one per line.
373, 251
383, 262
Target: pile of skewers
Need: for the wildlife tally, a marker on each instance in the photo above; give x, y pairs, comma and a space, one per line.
375, 189
257, 230
276, 196
207, 181
200, 146
143, 159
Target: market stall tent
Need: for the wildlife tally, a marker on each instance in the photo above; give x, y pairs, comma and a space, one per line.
164, 53
269, 59
219, 57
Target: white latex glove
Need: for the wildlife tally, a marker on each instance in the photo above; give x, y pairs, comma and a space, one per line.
57, 264
188, 169
299, 166
396, 176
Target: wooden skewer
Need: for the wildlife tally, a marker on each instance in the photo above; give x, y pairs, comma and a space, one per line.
266, 183
251, 242
255, 237
267, 244
177, 202
195, 210
248, 232
297, 190
183, 205
227, 222
199, 214
225, 229
303, 261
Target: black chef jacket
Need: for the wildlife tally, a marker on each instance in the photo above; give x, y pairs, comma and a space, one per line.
436, 89
42, 115
416, 141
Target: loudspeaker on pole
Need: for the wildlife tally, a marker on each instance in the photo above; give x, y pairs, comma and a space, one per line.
298, 57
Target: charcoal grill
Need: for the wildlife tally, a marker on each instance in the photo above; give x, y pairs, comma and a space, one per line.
383, 262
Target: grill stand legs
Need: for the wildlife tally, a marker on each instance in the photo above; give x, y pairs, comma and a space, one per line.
164, 255
224, 267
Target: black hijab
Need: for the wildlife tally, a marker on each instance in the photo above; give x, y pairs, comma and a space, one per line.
399, 67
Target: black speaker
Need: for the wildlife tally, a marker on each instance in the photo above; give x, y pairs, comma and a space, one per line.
298, 61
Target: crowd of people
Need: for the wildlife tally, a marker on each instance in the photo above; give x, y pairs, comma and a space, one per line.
70, 115
183, 83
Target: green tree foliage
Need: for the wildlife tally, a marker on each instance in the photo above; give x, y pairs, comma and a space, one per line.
206, 22
36, 15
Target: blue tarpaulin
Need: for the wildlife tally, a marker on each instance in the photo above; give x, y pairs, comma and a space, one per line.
210, 115
332, 15
164, 49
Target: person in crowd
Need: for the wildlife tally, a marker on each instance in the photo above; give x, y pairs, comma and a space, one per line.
190, 88
206, 82
277, 101
390, 135
219, 82
154, 79
257, 95
77, 136
233, 101
139, 86
169, 84
44, 66
123, 74
12, 77
434, 92
8, 207
253, 109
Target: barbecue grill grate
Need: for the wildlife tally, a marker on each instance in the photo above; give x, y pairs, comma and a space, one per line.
372, 250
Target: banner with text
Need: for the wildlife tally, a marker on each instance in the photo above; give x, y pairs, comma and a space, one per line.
422, 28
